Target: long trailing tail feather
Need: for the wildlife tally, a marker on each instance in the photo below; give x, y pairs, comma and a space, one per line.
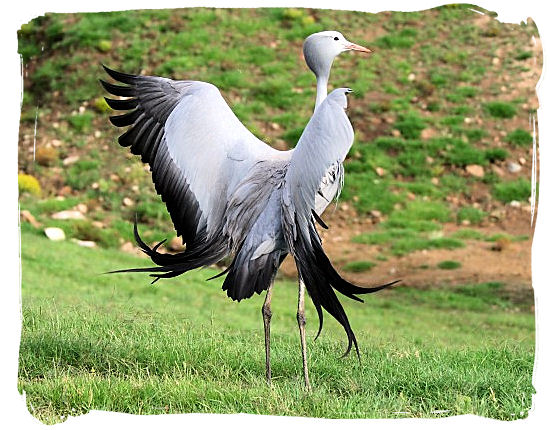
321, 280
172, 265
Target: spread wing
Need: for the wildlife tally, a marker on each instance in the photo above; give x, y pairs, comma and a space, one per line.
197, 149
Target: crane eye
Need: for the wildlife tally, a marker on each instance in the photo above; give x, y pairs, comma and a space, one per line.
336, 38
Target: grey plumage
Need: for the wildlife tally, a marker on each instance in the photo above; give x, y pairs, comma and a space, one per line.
228, 193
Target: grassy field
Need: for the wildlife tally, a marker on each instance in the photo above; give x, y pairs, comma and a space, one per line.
114, 342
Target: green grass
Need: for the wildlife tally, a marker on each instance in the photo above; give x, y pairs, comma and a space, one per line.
359, 266
519, 137
499, 109
519, 190
449, 265
114, 342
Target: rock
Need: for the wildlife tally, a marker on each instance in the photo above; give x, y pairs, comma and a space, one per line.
497, 215
515, 204
54, 233
376, 214
275, 126
71, 159
411, 196
46, 155
496, 61
28, 217
70, 214
82, 208
56, 143
513, 167
131, 249
427, 133
497, 170
98, 224
465, 222
379, 171
175, 245
468, 120
475, 170
434, 181
127, 201
85, 243
411, 77
522, 161
429, 160
396, 133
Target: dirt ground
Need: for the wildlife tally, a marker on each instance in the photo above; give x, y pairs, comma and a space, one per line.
506, 262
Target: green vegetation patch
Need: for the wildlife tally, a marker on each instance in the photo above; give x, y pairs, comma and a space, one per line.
473, 215
500, 109
519, 190
449, 265
359, 266
519, 137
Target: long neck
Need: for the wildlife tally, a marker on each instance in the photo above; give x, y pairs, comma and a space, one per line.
322, 88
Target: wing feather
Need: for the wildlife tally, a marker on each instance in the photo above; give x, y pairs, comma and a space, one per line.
189, 136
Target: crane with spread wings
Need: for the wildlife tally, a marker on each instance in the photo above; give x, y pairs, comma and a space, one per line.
229, 193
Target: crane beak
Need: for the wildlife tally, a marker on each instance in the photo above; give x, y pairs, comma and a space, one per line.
355, 47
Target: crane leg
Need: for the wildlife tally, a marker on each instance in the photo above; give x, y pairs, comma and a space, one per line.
301, 317
266, 313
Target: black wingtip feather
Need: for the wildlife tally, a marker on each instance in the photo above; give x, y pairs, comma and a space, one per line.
125, 78
118, 90
126, 104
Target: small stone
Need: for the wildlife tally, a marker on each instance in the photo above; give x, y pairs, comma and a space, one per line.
411, 77
71, 159
475, 170
275, 126
429, 160
54, 233
427, 133
97, 134
81, 207
503, 89
513, 167
522, 161
56, 142
515, 204
95, 186
127, 201
380, 171
376, 214
468, 120
85, 243
434, 181
344, 207
411, 196
98, 224
497, 215
70, 214
496, 61
27, 216
497, 170
396, 133
465, 222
